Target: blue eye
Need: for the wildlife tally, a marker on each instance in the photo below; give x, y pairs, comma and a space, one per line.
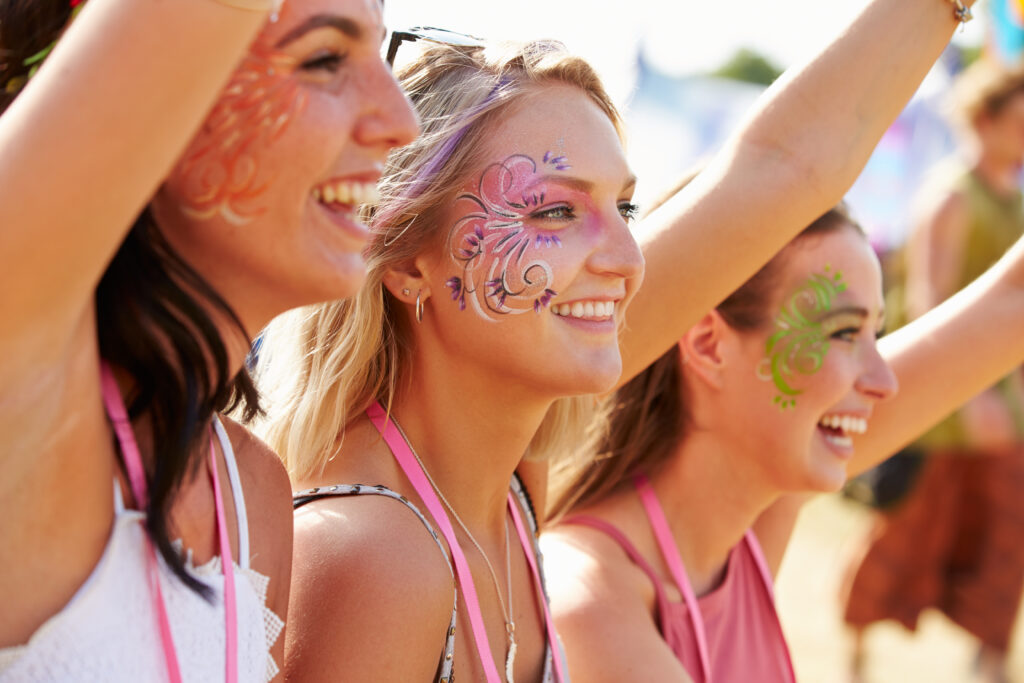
562, 212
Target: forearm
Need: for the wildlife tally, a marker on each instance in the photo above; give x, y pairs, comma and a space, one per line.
948, 356
796, 156
94, 133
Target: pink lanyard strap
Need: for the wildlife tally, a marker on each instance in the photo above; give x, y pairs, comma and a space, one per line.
137, 480
669, 551
403, 454
549, 623
406, 460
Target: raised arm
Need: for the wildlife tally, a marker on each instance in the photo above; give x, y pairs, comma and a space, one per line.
947, 356
796, 156
88, 141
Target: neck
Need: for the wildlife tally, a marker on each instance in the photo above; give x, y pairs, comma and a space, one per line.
469, 433
998, 173
722, 500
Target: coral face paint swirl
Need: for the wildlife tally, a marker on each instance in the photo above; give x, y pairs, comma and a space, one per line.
222, 170
502, 270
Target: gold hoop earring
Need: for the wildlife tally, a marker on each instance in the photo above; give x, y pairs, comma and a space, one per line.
419, 307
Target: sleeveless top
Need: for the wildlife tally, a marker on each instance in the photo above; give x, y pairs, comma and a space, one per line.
995, 222
107, 632
446, 661
743, 640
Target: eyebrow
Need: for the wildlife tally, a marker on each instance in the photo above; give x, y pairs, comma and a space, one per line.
342, 24
581, 184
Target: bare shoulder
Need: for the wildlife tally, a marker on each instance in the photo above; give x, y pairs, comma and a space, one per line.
603, 607
368, 581
267, 495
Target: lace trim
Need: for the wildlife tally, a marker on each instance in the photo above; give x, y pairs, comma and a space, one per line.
272, 624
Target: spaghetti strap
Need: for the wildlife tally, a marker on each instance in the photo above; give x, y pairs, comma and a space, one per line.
237, 494
300, 498
613, 532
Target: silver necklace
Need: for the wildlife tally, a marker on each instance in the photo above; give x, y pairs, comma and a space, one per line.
510, 625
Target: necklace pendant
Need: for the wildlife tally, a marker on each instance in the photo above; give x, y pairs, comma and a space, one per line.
510, 660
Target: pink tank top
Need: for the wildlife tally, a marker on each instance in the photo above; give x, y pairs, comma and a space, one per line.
732, 633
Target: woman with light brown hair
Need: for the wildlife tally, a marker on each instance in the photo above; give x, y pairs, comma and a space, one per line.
499, 271
668, 534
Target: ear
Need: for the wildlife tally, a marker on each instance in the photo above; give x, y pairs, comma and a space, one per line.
408, 280
706, 348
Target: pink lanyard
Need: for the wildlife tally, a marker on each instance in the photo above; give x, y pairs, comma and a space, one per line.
137, 479
406, 460
670, 551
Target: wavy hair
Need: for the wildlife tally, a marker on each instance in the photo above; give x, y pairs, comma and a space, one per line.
153, 316
323, 365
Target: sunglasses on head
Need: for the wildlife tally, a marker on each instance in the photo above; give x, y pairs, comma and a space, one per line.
441, 36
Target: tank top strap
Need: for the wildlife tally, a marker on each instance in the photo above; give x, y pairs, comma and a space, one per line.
670, 554
614, 533
237, 494
118, 415
300, 498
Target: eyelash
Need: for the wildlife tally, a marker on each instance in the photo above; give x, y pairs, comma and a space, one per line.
629, 211
567, 213
847, 334
328, 61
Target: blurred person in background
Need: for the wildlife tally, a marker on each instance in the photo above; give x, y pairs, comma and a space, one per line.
954, 542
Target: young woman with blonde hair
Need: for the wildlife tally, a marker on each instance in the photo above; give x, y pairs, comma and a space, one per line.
161, 197
669, 533
499, 270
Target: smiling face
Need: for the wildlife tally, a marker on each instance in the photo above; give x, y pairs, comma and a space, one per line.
808, 381
538, 261
262, 203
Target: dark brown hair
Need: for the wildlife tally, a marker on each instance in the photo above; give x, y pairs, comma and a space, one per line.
151, 315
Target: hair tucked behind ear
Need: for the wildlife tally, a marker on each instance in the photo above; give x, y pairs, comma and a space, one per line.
649, 415
151, 316
322, 366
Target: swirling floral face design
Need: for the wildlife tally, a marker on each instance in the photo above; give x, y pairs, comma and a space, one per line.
222, 170
801, 341
499, 253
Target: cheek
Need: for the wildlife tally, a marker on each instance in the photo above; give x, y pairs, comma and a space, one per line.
225, 171
502, 265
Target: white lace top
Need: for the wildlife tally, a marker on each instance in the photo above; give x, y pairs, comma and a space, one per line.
108, 631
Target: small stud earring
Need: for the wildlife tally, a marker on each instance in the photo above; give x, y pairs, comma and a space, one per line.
405, 291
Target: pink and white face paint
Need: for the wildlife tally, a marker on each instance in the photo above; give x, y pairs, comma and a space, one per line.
499, 249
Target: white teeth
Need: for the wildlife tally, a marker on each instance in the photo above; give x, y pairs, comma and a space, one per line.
346, 192
841, 441
585, 309
847, 424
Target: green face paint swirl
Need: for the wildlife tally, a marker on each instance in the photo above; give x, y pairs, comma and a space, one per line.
799, 344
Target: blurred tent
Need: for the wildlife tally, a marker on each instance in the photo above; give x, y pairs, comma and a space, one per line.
676, 121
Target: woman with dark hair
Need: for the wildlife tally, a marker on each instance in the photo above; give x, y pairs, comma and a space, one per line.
670, 532
149, 226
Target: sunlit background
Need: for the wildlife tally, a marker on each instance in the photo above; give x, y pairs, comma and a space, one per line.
658, 59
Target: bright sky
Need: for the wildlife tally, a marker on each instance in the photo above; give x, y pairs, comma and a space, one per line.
680, 36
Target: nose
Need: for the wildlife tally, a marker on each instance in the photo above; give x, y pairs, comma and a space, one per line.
616, 252
877, 380
388, 119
